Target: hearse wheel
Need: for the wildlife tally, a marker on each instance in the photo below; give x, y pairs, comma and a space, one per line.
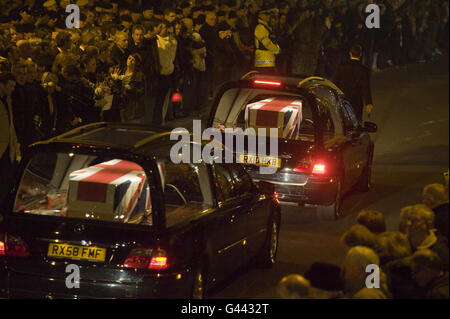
365, 181
267, 257
333, 211
198, 288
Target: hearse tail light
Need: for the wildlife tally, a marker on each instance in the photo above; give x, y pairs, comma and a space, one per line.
146, 258
2, 248
159, 260
319, 168
269, 83
304, 166
13, 246
309, 166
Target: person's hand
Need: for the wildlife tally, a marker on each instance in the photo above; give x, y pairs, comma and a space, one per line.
18, 154
115, 73
25, 16
51, 22
225, 34
369, 108
98, 91
85, 81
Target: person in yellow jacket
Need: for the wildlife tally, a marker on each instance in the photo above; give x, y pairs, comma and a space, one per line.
265, 49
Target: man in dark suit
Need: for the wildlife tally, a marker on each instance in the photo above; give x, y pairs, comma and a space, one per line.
147, 47
9, 145
119, 52
353, 78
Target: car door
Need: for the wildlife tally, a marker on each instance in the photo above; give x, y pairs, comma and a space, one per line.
358, 142
228, 244
257, 208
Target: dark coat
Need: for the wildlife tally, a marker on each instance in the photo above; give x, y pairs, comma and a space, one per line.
61, 119
441, 219
119, 57
211, 38
353, 78
23, 114
438, 288
80, 97
148, 51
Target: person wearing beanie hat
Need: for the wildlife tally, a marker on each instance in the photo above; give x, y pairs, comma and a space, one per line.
221, 17
126, 23
186, 9
147, 12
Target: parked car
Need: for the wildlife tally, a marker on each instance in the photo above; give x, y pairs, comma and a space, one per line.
106, 199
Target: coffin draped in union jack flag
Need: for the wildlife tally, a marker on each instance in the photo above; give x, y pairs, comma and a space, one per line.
284, 113
116, 190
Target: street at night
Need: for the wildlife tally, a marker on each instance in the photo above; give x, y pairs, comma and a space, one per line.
216, 152
411, 151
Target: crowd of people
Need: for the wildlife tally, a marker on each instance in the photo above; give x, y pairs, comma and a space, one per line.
413, 261
153, 61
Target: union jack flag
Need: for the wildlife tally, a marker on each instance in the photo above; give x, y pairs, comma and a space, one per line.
283, 113
114, 190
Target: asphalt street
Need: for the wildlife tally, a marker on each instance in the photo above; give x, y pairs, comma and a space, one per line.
411, 108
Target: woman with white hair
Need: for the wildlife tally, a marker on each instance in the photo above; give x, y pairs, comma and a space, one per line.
435, 196
360, 263
417, 222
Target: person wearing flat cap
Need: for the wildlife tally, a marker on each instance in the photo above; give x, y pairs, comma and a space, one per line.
265, 49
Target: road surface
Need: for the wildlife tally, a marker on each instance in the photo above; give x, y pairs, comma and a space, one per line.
411, 151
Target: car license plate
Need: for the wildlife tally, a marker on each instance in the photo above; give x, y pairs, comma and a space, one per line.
260, 161
76, 252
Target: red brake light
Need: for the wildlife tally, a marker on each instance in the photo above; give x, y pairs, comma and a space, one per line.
264, 82
307, 167
158, 263
146, 258
2, 249
319, 169
177, 97
138, 258
13, 246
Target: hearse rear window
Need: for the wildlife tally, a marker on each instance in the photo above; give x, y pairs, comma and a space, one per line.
289, 114
86, 187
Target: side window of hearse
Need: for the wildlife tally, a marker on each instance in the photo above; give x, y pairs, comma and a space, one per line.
223, 183
243, 182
